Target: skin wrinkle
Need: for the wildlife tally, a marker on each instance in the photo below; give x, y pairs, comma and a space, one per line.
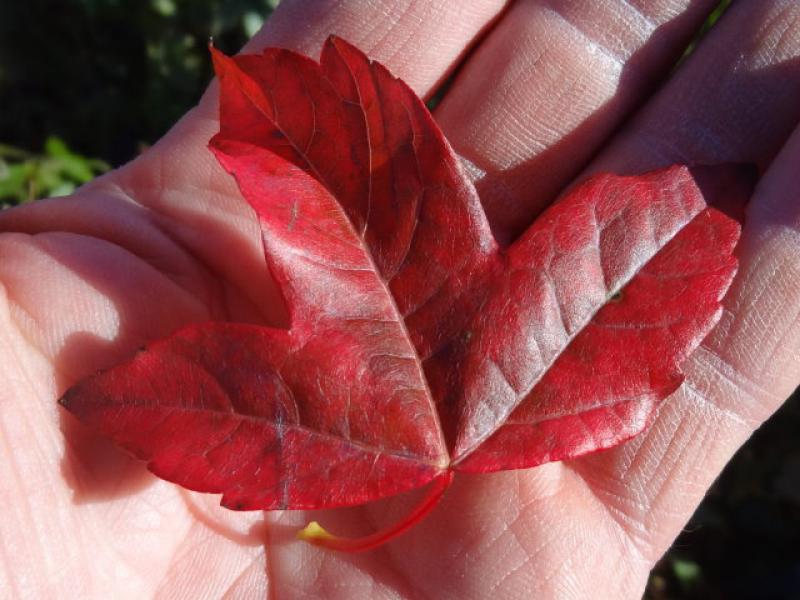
740, 326
625, 521
775, 270
22, 331
554, 573
135, 248
31, 520
628, 460
405, 10
516, 133
524, 559
652, 492
401, 49
405, 582
180, 554
241, 581
4, 551
634, 539
636, 503
598, 489
674, 466
194, 542
673, 472
792, 323
523, 513
517, 522
591, 44
214, 289
7, 217
180, 240
657, 498
664, 431
640, 15
782, 26
715, 363
41, 241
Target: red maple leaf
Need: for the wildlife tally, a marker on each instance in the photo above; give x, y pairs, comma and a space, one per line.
417, 345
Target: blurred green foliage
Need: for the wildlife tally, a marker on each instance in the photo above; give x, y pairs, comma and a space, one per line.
108, 76
712, 19
57, 171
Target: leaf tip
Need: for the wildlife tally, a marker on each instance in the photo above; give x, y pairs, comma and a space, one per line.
340, 45
219, 59
66, 399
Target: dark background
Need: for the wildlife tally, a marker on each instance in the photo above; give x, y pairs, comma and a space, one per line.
87, 84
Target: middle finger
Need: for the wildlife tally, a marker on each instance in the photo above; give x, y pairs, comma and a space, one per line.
547, 87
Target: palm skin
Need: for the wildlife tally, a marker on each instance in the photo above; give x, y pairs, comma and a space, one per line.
167, 240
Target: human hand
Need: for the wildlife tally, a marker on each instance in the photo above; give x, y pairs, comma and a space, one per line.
167, 240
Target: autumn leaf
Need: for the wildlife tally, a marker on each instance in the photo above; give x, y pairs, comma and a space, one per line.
417, 346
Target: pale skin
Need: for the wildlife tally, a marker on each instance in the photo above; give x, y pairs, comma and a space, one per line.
168, 240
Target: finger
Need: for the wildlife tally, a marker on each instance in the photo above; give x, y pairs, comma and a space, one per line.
736, 98
748, 365
548, 86
420, 42
73, 296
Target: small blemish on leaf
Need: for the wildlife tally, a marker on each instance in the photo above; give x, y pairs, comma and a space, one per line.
293, 216
616, 297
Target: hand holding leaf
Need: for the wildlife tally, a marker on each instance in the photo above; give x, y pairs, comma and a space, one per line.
167, 241
416, 345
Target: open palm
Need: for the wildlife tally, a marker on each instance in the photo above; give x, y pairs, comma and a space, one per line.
545, 88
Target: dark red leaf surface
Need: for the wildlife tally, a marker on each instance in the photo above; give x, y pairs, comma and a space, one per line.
417, 345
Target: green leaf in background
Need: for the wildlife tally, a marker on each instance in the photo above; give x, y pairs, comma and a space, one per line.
57, 171
110, 76
687, 571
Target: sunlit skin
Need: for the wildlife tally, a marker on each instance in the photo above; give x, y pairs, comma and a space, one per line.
167, 240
